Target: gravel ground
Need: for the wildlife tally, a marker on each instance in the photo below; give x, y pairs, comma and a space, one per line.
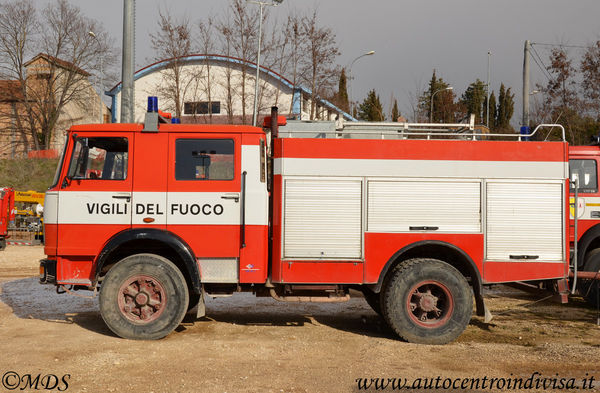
248, 344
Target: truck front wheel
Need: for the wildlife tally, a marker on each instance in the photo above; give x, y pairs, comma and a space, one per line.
589, 288
427, 301
143, 297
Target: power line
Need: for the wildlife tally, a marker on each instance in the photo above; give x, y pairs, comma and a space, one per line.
542, 66
563, 45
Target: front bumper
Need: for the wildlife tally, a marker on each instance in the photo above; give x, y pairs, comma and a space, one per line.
48, 271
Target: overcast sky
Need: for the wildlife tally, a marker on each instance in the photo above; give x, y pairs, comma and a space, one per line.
410, 37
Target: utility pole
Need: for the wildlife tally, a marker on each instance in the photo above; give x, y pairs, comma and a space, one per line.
525, 123
487, 112
101, 87
127, 93
261, 4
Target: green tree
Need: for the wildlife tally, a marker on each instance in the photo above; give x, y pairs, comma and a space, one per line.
506, 107
443, 101
371, 108
341, 98
474, 99
493, 107
395, 111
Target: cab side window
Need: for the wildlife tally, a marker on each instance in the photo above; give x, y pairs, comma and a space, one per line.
204, 159
100, 158
584, 171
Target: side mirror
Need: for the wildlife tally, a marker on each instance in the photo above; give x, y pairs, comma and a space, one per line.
66, 182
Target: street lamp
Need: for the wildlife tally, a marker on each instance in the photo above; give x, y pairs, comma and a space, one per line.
93, 35
273, 3
369, 53
431, 108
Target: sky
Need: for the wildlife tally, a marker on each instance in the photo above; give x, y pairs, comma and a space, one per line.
410, 38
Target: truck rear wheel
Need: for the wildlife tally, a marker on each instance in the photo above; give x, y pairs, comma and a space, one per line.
427, 301
143, 297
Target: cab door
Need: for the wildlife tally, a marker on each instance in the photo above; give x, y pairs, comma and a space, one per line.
204, 200
94, 197
584, 169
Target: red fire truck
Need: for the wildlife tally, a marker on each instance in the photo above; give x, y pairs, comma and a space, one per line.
156, 216
7, 213
583, 166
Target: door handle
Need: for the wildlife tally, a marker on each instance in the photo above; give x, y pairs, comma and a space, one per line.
235, 197
424, 228
128, 197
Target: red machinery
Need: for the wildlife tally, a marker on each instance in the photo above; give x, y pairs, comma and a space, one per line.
7, 213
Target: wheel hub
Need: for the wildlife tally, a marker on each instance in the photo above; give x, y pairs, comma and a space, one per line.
141, 299
430, 304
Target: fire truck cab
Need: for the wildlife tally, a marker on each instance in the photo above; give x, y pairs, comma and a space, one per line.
155, 216
583, 168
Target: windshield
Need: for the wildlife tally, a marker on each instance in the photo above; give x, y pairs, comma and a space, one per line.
59, 166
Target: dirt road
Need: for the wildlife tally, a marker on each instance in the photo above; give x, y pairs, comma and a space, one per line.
258, 345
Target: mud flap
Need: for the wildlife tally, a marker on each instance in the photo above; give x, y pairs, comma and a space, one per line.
201, 307
198, 311
481, 308
488, 315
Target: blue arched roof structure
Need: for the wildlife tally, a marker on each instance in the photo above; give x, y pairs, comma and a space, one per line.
297, 90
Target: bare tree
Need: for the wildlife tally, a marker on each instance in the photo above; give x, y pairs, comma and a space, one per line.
318, 65
244, 43
562, 100
226, 37
277, 58
590, 68
293, 31
56, 76
173, 41
207, 46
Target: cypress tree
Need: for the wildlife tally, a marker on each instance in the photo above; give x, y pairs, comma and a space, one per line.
371, 108
342, 96
395, 111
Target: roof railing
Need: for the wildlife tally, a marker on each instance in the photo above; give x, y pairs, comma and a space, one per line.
341, 129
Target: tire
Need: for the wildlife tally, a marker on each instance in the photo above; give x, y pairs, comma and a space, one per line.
143, 297
373, 299
427, 301
589, 288
2, 244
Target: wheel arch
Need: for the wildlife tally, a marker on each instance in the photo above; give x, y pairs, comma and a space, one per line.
154, 241
589, 241
445, 252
